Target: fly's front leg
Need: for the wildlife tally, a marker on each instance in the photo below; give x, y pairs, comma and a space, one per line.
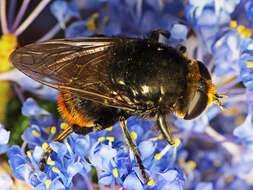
163, 127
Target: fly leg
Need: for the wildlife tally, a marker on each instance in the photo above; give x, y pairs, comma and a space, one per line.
154, 36
163, 127
133, 148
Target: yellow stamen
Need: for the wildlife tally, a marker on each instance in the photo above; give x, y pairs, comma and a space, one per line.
216, 163
55, 170
101, 139
115, 172
157, 156
192, 164
109, 128
133, 135
111, 139
44, 145
150, 182
48, 182
240, 29
250, 64
53, 130
91, 25
177, 142
160, 136
29, 154
35, 133
64, 125
229, 179
233, 24
181, 161
51, 162
246, 33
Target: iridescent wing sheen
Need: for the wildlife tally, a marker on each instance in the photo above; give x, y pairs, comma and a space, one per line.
76, 65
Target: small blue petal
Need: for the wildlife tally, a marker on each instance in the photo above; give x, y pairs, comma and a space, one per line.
4, 135
74, 168
31, 108
61, 10
106, 178
30, 137
78, 29
146, 149
132, 182
204, 186
56, 184
179, 32
245, 131
6, 182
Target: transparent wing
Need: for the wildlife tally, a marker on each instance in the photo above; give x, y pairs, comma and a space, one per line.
76, 65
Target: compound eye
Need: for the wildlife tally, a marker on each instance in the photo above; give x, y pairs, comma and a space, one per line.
197, 105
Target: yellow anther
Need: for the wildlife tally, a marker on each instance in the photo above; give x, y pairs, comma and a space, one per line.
250, 64
233, 24
55, 170
229, 179
240, 29
111, 139
216, 163
181, 161
246, 33
53, 130
29, 154
44, 145
115, 172
65, 140
133, 135
48, 182
64, 125
51, 162
106, 19
192, 164
157, 156
177, 142
109, 128
35, 133
91, 25
150, 182
101, 139
160, 136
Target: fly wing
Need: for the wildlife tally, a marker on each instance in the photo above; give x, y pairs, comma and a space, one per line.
76, 65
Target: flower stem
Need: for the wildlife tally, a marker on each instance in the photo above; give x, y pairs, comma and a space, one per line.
53, 31
3, 16
11, 11
20, 15
31, 17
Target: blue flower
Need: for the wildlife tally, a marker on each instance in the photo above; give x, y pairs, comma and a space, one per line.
245, 131
6, 182
63, 10
204, 186
4, 139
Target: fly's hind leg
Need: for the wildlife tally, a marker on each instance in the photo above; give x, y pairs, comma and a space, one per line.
133, 148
